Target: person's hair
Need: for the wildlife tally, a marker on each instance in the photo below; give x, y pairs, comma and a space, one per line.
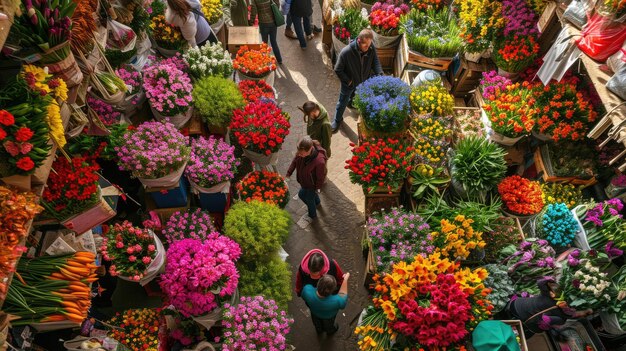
326, 285
316, 263
180, 7
366, 34
306, 143
309, 107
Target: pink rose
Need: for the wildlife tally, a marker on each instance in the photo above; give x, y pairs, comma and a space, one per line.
132, 258
130, 250
119, 244
151, 248
146, 259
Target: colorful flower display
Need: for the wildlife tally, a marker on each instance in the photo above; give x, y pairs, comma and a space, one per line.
584, 283
558, 225
515, 53
511, 111
261, 126
530, 260
432, 137
480, 22
106, 112
385, 17
567, 194
432, 98
130, 249
166, 35
212, 161
350, 22
264, 186
137, 329
457, 239
434, 34
167, 87
519, 18
255, 63
603, 222
22, 149
383, 102
520, 195
209, 60
253, 90
212, 10
191, 224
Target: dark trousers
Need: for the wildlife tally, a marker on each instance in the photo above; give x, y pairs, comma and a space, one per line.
289, 22
268, 31
311, 199
324, 325
298, 22
344, 98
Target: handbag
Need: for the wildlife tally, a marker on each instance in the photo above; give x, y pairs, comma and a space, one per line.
279, 19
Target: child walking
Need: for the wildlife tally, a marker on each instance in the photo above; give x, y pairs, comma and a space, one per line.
317, 124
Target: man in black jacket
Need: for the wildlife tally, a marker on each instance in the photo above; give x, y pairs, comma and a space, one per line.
356, 63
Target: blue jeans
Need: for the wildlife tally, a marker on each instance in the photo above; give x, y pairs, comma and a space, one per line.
288, 22
344, 98
311, 199
297, 26
270, 30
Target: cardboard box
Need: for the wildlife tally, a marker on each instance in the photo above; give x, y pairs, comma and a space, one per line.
239, 36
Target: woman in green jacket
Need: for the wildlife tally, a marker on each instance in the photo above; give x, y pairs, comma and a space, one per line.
317, 124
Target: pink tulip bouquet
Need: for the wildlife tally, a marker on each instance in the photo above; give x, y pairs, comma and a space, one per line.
192, 224
168, 88
199, 275
256, 323
212, 162
131, 250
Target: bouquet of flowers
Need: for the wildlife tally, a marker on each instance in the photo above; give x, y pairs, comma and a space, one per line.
350, 22
212, 161
153, 150
431, 98
501, 286
514, 54
480, 22
617, 8
212, 10
504, 232
168, 88
255, 63
24, 141
107, 114
71, 188
383, 102
616, 186
166, 35
567, 194
493, 84
385, 17
558, 225
511, 111
520, 195
603, 222
209, 60
264, 186
215, 98
528, 262
457, 239
132, 78
519, 19
260, 126
191, 224
136, 329
424, 5
253, 90
584, 284
398, 235
131, 249
432, 33
256, 323
198, 275
380, 163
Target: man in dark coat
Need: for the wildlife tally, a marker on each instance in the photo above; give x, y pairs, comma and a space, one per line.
356, 63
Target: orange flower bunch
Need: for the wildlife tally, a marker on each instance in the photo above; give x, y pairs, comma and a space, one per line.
511, 111
255, 63
520, 195
264, 186
424, 5
516, 53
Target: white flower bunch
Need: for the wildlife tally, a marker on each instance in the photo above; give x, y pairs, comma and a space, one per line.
595, 282
209, 60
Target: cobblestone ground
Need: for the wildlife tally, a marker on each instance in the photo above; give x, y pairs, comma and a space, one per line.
308, 75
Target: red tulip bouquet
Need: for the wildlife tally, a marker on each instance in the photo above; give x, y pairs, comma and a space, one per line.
253, 90
261, 127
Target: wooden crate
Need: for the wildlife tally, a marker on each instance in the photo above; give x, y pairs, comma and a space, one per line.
164, 213
549, 27
468, 76
377, 201
406, 57
327, 33
363, 133
387, 58
240, 36
370, 269
547, 177
222, 36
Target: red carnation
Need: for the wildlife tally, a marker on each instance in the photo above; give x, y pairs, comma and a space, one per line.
6, 118
3, 134
23, 134
25, 164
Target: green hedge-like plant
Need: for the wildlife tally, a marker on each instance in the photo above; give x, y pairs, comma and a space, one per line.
258, 227
271, 279
216, 98
478, 165
432, 33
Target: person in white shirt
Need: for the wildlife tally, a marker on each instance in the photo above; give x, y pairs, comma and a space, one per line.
188, 17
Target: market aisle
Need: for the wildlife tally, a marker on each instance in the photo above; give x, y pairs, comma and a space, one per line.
307, 75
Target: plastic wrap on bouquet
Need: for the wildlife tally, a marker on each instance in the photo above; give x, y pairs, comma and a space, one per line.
580, 241
610, 323
96, 215
168, 181
178, 120
208, 320
384, 42
155, 266
223, 187
268, 78
494, 136
261, 159
132, 103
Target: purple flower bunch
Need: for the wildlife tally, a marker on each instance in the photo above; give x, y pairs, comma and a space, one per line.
520, 18
199, 275
167, 87
212, 161
256, 323
604, 223
153, 150
619, 181
191, 224
399, 8
398, 235
493, 83
531, 260
601, 212
107, 113
131, 77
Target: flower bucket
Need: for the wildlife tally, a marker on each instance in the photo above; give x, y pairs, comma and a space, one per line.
512, 76
213, 199
613, 190
155, 267
473, 56
338, 45
210, 319
268, 78
386, 42
129, 108
170, 197
167, 53
541, 136
92, 217
493, 135
260, 159
580, 241
178, 120
168, 181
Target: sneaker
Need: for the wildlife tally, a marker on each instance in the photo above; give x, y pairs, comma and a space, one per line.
290, 34
335, 130
310, 36
317, 29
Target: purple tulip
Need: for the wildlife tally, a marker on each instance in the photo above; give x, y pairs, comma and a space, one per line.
575, 253
612, 251
542, 242
572, 262
550, 261
525, 245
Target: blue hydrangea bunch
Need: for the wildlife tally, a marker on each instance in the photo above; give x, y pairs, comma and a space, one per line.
559, 225
383, 102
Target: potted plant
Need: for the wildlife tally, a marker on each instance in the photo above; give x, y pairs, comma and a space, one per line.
209, 60
253, 90
212, 165
383, 103
255, 323
258, 227
350, 22
521, 197
432, 137
215, 99
191, 224
431, 98
480, 22
135, 96
270, 278
255, 64
432, 35
260, 129
513, 54
136, 254
264, 186
169, 90
384, 18
477, 166
425, 180
137, 154
510, 113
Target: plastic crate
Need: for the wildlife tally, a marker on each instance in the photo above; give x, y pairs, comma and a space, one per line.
214, 203
170, 197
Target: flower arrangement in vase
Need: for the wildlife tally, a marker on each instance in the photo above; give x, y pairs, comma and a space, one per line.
137, 329
261, 127
130, 249
511, 111
383, 103
480, 22
168, 88
385, 17
215, 99
255, 323
350, 22
209, 60
515, 53
431, 98
253, 90
529, 261
255, 63
200, 274
371, 167
191, 224
521, 196
264, 186
212, 162
558, 225
434, 34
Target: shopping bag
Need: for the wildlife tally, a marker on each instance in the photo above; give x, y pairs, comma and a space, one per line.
279, 19
602, 37
121, 37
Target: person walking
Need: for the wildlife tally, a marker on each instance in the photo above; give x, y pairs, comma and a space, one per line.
188, 17
323, 305
289, 33
356, 63
239, 13
310, 165
267, 23
313, 266
300, 12
317, 124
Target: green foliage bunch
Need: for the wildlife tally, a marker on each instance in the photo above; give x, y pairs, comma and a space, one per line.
216, 98
478, 165
272, 279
